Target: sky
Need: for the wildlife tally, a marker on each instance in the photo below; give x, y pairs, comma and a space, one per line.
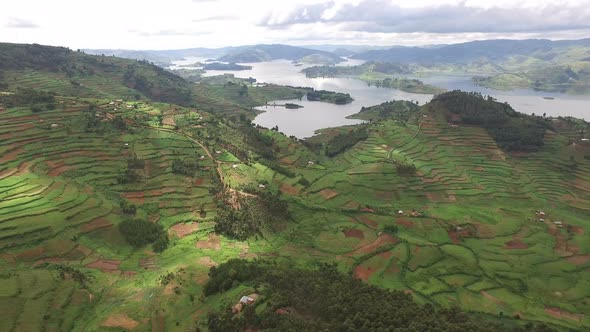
177, 24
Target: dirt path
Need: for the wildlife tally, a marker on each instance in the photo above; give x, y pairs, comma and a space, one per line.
406, 142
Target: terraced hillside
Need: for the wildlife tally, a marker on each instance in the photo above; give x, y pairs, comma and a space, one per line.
416, 201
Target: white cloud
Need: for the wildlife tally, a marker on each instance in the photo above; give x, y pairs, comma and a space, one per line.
152, 24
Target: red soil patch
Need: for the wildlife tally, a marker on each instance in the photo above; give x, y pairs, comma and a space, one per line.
381, 240
578, 230
184, 229
289, 189
491, 297
363, 273
357, 233
328, 193
31, 254
579, 260
405, 223
95, 224
135, 197
120, 320
214, 242
456, 236
105, 265
516, 244
59, 170
199, 181
368, 222
558, 313
12, 155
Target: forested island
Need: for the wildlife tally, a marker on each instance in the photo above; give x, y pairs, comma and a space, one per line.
225, 66
376, 73
329, 97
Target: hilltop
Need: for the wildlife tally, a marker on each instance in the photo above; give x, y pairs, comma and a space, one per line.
129, 213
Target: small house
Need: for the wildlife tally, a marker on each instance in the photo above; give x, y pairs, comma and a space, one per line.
400, 212
234, 166
202, 157
311, 162
246, 300
261, 186
54, 125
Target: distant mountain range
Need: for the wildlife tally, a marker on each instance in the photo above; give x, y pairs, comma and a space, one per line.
494, 50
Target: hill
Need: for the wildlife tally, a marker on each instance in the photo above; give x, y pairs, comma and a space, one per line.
127, 214
258, 53
70, 73
493, 50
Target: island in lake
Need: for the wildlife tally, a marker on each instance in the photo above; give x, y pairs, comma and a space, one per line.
329, 97
376, 73
225, 66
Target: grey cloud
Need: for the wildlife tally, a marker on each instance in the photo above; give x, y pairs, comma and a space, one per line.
20, 24
385, 16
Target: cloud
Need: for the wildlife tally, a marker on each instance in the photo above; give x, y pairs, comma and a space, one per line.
169, 33
386, 16
216, 18
20, 23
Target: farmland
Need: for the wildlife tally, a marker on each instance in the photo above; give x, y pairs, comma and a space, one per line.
416, 204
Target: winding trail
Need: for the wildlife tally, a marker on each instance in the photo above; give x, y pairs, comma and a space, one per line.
406, 142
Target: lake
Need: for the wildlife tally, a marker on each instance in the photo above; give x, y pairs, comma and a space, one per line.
303, 122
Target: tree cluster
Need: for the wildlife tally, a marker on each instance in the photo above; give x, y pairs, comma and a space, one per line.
139, 232
264, 211
184, 167
344, 141
323, 299
511, 130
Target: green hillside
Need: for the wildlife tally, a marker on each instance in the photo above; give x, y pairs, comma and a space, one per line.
126, 213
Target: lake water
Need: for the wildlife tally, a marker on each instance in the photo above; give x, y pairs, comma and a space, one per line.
303, 122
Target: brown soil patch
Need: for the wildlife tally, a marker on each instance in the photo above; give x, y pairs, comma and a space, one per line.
363, 273
356, 233
214, 242
558, 313
31, 254
184, 229
579, 260
201, 279
578, 230
134, 197
207, 261
516, 244
169, 120
289, 189
405, 223
12, 155
491, 297
199, 181
479, 169
368, 222
158, 323
381, 240
105, 265
95, 224
328, 193
120, 320
456, 236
